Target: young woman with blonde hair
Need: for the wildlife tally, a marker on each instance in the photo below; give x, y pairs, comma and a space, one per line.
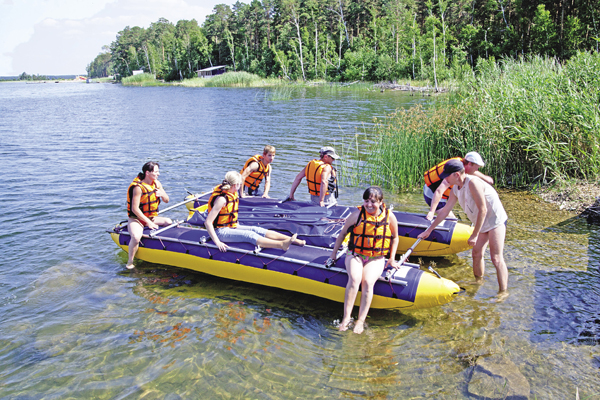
222, 220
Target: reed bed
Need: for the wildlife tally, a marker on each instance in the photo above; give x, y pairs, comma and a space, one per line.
283, 93
232, 79
140, 79
534, 121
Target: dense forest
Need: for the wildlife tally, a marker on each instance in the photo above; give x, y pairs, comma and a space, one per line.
346, 40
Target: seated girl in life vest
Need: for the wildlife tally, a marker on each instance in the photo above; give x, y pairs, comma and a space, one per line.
222, 220
373, 236
143, 197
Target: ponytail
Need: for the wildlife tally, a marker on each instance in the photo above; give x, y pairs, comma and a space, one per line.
231, 178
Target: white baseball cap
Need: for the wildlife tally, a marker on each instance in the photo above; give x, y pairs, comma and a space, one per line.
329, 151
475, 158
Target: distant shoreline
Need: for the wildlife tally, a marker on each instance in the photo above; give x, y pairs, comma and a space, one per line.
61, 80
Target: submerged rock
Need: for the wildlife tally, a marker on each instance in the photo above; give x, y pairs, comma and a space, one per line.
592, 213
498, 378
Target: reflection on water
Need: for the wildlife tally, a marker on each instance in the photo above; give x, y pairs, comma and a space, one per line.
76, 324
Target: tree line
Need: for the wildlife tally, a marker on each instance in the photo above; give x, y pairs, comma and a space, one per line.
346, 40
26, 77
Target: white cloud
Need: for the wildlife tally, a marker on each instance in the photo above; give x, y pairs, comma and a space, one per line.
50, 22
52, 37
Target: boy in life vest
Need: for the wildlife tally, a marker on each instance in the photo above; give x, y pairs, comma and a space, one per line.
482, 205
143, 197
436, 191
321, 178
255, 170
373, 238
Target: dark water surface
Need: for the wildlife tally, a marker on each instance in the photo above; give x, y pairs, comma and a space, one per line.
74, 323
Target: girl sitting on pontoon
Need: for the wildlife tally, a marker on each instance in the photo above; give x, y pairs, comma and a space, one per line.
143, 197
373, 236
222, 220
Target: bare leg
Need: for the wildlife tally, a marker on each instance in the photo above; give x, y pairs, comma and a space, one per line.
280, 236
135, 231
477, 254
371, 272
162, 221
496, 237
354, 267
276, 244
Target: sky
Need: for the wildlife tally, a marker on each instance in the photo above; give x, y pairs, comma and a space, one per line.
61, 37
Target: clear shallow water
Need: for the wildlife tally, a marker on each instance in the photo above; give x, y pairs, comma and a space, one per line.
75, 323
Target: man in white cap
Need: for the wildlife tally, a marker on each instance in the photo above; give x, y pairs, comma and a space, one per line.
321, 178
436, 191
482, 205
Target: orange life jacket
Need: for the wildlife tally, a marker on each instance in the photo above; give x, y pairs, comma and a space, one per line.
313, 172
371, 235
432, 177
148, 202
228, 216
255, 178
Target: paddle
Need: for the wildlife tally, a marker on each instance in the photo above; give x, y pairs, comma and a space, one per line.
409, 251
157, 231
179, 204
402, 259
172, 207
299, 219
309, 209
306, 215
290, 213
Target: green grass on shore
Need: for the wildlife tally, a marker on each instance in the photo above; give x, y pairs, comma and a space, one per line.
144, 79
246, 79
232, 79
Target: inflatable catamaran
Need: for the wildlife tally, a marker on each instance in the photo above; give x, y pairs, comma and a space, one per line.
186, 244
320, 226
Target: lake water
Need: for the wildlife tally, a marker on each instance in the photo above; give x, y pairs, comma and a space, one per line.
74, 323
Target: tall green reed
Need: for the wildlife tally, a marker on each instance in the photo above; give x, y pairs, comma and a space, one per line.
533, 121
138, 79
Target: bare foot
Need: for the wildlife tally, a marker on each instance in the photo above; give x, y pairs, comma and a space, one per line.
344, 325
501, 296
359, 327
130, 266
299, 242
288, 242
478, 281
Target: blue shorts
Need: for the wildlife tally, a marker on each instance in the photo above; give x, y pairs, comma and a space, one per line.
428, 194
243, 233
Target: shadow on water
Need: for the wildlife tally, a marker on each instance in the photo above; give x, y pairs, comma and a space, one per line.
171, 282
566, 305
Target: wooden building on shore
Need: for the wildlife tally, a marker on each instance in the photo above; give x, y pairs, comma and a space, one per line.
211, 71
